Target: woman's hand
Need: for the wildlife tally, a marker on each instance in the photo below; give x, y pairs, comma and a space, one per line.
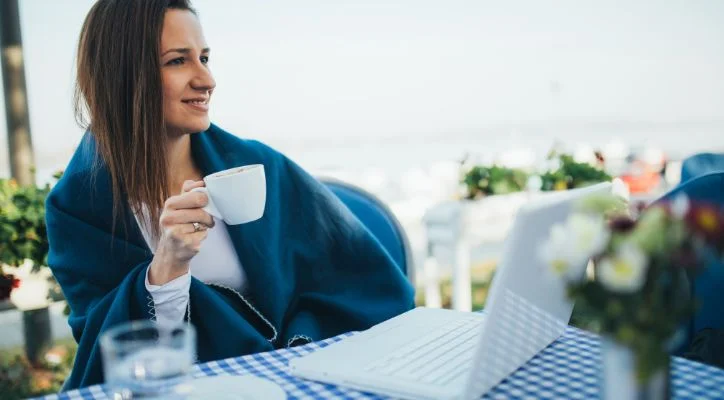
184, 225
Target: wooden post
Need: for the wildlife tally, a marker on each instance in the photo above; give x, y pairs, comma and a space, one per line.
20, 146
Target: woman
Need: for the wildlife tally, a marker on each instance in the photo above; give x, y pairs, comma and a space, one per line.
129, 240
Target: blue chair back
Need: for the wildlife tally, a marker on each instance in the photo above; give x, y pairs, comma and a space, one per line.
701, 164
708, 286
378, 219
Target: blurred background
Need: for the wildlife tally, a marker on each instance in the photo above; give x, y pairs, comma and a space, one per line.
403, 97
386, 88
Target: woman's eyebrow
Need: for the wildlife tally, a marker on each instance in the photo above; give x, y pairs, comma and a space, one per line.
184, 50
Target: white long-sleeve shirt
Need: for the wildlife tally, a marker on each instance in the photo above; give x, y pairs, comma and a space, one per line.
216, 262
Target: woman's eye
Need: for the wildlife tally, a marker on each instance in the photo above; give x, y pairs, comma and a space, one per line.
176, 61
205, 59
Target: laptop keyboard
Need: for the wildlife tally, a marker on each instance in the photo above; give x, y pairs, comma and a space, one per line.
437, 357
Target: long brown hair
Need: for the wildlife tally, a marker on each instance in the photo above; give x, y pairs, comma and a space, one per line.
119, 99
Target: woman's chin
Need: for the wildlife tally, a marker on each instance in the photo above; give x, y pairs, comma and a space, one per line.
202, 126
196, 127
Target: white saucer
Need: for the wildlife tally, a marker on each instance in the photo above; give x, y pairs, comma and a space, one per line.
247, 387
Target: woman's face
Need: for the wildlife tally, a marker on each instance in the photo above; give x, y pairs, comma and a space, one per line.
186, 78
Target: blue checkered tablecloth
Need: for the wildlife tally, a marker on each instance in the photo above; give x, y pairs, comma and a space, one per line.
567, 369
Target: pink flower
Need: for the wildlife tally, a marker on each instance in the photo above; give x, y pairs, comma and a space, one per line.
7, 284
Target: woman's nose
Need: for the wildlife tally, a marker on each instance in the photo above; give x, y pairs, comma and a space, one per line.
203, 80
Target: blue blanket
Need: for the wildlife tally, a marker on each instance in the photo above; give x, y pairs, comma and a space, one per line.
313, 269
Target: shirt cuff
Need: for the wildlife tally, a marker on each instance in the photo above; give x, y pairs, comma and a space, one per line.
178, 287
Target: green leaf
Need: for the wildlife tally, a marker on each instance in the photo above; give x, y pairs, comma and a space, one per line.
22, 223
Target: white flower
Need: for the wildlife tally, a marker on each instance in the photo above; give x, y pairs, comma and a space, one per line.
625, 272
571, 244
590, 233
680, 206
556, 251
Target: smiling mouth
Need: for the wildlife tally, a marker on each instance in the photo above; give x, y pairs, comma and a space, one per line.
201, 105
196, 102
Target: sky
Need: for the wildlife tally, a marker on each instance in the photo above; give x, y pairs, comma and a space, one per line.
296, 73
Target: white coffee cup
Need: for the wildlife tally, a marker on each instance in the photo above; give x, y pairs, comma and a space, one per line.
236, 195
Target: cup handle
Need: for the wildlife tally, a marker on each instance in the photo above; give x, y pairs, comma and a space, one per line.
210, 207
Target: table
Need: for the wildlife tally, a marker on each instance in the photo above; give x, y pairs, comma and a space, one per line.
567, 369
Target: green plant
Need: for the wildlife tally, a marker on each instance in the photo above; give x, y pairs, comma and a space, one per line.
637, 294
22, 224
571, 174
19, 380
16, 379
484, 181
22, 230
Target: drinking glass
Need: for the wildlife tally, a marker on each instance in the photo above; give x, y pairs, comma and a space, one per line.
144, 360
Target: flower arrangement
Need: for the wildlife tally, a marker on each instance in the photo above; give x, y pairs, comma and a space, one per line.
636, 290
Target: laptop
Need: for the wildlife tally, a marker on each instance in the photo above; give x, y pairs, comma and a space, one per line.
429, 353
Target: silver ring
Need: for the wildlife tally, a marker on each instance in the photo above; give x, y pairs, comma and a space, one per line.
197, 226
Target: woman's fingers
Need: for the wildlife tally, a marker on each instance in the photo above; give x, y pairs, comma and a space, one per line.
186, 236
188, 185
184, 221
186, 216
186, 200
185, 226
